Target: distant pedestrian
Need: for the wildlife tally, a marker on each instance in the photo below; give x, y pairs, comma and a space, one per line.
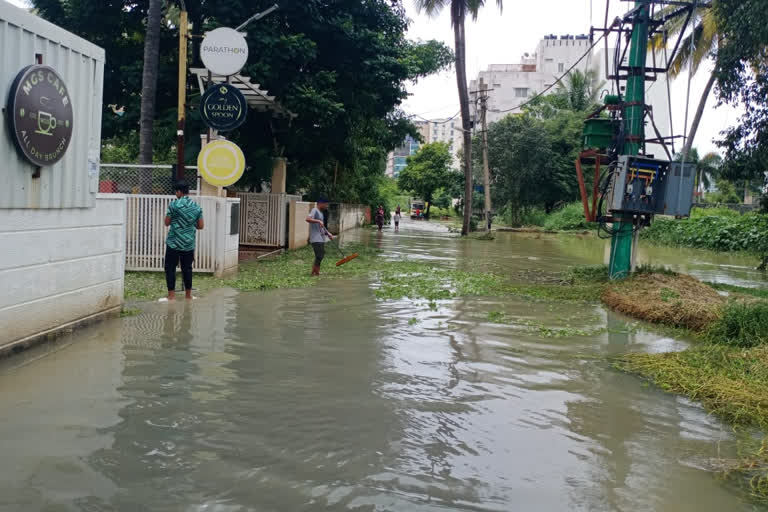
318, 233
185, 217
397, 218
380, 217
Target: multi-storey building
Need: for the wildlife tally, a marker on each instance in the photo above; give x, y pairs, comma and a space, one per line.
396, 160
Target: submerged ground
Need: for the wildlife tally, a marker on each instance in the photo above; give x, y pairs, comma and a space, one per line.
336, 397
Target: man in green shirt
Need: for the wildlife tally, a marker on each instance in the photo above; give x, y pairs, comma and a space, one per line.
184, 216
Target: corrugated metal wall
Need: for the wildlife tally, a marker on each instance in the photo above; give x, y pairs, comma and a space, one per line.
71, 183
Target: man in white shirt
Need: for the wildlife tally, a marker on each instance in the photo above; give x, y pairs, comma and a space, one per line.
318, 233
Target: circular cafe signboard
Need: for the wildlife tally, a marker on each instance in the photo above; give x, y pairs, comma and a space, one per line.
40, 114
221, 163
224, 51
223, 107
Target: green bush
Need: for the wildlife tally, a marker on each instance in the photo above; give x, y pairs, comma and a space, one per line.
714, 230
741, 325
533, 217
571, 217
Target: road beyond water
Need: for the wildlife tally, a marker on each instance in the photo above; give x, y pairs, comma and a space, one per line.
329, 399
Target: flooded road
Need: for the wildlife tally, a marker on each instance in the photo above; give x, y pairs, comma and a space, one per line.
329, 399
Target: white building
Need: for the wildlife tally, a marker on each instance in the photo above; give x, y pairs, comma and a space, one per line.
513, 84
448, 131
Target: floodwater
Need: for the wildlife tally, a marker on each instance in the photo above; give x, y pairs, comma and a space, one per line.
327, 399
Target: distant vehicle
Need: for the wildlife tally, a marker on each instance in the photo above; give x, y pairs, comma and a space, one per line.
417, 209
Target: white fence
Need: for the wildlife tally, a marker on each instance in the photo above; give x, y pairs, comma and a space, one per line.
264, 218
146, 233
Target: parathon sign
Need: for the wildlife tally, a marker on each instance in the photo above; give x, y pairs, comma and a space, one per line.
224, 51
223, 107
40, 115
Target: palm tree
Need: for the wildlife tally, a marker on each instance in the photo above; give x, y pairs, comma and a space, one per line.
581, 89
707, 167
459, 11
149, 90
705, 37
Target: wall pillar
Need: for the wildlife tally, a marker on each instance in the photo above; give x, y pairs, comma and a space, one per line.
278, 175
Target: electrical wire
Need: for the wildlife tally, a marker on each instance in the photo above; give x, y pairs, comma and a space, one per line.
559, 79
438, 120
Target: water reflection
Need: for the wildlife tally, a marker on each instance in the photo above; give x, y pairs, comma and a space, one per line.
329, 399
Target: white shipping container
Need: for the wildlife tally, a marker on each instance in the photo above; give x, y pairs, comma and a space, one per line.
26, 39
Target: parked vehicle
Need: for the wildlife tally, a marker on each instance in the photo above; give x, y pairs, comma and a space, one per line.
417, 209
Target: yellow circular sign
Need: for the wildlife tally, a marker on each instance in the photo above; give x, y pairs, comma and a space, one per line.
221, 163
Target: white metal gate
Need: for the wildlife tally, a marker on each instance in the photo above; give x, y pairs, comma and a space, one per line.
263, 218
145, 233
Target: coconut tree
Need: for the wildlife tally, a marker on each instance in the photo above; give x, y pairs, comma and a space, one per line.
696, 47
707, 168
149, 89
459, 11
580, 89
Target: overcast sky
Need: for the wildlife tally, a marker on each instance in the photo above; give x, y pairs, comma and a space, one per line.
501, 38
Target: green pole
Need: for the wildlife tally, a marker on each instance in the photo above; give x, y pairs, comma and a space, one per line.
634, 128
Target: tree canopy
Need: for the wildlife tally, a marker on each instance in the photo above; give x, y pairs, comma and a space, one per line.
340, 66
742, 78
427, 171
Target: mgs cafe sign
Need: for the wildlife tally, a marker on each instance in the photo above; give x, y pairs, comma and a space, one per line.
223, 107
40, 115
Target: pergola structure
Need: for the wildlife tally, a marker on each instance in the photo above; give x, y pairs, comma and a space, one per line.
257, 98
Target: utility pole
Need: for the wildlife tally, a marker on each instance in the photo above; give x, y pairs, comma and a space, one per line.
181, 109
634, 129
486, 170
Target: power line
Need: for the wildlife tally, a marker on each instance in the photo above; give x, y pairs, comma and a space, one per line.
438, 120
560, 79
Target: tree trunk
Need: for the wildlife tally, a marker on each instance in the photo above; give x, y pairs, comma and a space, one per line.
699, 113
149, 91
461, 82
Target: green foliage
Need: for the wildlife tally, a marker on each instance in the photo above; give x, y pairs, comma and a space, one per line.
725, 194
742, 78
580, 90
427, 171
341, 67
531, 161
587, 274
742, 324
568, 218
713, 229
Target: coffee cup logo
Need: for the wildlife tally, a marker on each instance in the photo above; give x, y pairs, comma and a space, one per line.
42, 120
46, 123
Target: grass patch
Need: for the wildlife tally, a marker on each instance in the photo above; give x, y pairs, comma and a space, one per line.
741, 324
727, 370
482, 235
675, 300
731, 383
129, 312
728, 381
568, 218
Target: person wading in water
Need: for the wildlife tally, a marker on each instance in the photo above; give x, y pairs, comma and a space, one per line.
318, 233
380, 217
185, 217
397, 218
